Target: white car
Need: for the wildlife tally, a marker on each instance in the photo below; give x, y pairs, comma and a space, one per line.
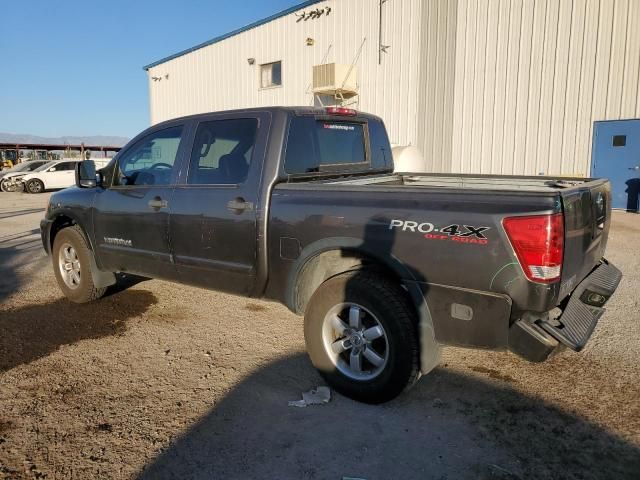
8, 177
56, 174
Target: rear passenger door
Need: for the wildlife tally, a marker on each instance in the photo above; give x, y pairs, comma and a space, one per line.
213, 221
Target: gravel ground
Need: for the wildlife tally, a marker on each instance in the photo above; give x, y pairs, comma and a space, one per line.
165, 381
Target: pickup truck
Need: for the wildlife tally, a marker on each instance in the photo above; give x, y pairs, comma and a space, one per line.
302, 206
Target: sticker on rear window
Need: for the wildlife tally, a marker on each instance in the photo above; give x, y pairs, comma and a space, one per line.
339, 126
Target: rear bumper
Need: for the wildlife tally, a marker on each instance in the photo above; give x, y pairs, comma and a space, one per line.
535, 337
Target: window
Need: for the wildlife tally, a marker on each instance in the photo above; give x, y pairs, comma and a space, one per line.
313, 144
222, 151
61, 167
31, 166
619, 140
271, 75
151, 160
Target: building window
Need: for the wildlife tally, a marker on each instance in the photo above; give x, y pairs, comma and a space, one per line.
271, 75
619, 140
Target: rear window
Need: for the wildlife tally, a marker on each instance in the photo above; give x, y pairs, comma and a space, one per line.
314, 143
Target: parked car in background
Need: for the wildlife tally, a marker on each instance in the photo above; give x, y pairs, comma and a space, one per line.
55, 175
58, 174
8, 185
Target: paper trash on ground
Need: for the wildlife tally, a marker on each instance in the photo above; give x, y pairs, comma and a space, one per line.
318, 396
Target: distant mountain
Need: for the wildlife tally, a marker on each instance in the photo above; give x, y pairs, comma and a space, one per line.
89, 140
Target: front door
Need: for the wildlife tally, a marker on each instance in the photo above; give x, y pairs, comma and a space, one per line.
61, 175
132, 213
616, 156
213, 219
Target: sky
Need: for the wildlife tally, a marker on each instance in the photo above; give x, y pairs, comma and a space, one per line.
74, 67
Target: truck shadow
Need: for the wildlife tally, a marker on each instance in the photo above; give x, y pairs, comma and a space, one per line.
450, 425
35, 331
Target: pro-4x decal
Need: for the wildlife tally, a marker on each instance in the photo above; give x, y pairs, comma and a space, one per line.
455, 232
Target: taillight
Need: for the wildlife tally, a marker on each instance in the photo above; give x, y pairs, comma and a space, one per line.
539, 245
350, 112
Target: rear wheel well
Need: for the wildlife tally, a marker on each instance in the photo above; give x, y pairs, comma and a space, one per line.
329, 264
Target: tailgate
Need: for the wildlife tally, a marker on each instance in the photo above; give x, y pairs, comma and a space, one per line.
587, 215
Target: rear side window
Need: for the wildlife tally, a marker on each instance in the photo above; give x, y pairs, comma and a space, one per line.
314, 143
222, 151
61, 167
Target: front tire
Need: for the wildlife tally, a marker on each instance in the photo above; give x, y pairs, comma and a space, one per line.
72, 266
35, 186
361, 334
7, 187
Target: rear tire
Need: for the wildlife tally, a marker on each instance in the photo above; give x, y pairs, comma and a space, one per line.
72, 266
370, 352
34, 186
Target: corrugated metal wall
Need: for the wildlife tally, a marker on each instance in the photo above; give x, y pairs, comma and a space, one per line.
436, 86
480, 86
532, 76
219, 77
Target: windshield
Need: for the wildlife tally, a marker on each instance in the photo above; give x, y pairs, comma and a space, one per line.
16, 168
22, 167
45, 166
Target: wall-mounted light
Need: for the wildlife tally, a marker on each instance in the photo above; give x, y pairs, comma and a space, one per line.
251, 61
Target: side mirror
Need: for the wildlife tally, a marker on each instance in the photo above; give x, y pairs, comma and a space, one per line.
52, 169
86, 176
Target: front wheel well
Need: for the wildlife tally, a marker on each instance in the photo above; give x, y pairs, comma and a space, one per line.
329, 264
61, 222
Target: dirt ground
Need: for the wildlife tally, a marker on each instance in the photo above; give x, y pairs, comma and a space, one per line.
165, 381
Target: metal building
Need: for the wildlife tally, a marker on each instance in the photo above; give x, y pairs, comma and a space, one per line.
480, 86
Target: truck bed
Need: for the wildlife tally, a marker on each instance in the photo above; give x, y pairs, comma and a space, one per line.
469, 182
353, 206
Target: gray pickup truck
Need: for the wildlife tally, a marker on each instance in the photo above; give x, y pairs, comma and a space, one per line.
301, 206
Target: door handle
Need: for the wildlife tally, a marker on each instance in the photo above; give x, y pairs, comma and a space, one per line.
239, 205
637, 167
157, 203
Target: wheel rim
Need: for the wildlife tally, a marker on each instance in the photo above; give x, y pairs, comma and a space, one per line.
355, 341
69, 265
35, 187
8, 187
